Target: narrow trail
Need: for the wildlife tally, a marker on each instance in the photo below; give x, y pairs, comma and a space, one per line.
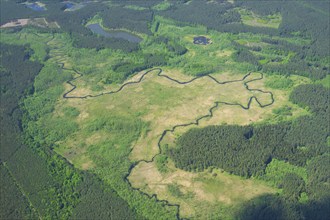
159, 71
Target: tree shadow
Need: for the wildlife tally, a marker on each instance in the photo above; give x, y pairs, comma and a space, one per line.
275, 207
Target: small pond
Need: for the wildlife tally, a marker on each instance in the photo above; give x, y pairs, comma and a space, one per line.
201, 40
97, 29
35, 6
72, 6
68, 5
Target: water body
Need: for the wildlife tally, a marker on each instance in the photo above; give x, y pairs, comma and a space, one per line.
201, 40
96, 28
35, 7
68, 5
71, 6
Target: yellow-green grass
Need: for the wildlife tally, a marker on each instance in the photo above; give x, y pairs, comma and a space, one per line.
250, 18
162, 6
225, 114
325, 82
214, 188
26, 35
199, 58
224, 189
135, 7
162, 103
191, 101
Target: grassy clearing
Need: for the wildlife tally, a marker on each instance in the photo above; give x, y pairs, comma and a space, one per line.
163, 104
192, 101
276, 171
162, 6
135, 7
225, 114
155, 104
197, 193
214, 57
214, 188
325, 82
252, 19
26, 35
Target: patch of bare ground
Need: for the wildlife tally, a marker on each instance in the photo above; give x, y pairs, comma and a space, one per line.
16, 23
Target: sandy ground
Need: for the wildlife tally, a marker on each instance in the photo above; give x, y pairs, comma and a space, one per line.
16, 23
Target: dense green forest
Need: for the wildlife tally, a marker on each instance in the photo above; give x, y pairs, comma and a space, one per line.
13, 87
14, 204
73, 158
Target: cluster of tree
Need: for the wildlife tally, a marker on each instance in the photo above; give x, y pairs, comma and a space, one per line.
134, 20
172, 45
98, 202
308, 19
244, 55
298, 64
123, 70
211, 14
316, 97
100, 42
140, 3
218, 15
17, 73
274, 207
288, 205
246, 150
309, 22
73, 22
51, 197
